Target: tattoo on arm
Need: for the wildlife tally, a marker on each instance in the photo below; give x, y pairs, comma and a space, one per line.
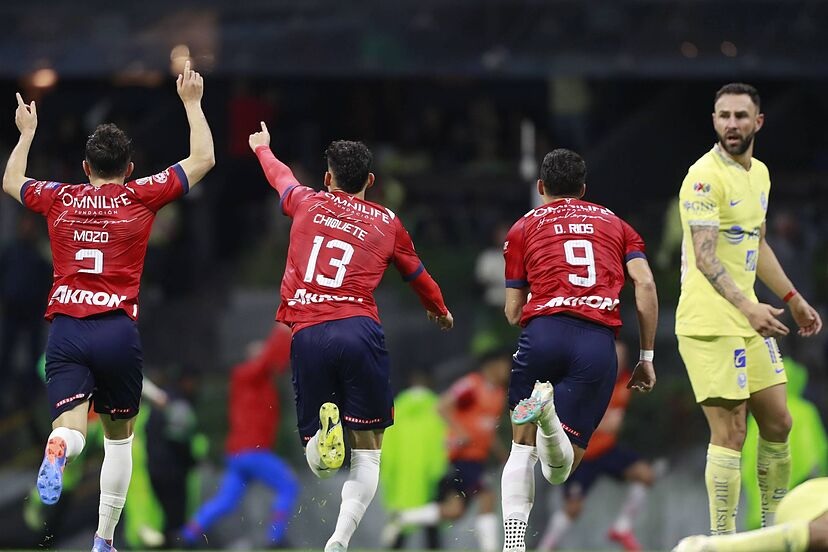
705, 239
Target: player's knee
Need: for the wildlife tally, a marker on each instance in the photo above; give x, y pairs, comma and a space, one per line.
778, 428
452, 508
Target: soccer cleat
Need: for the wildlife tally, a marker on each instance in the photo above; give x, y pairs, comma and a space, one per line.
529, 410
100, 545
626, 539
696, 543
50, 474
331, 440
335, 546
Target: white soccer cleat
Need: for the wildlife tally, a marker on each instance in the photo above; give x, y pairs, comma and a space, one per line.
391, 532
335, 547
696, 543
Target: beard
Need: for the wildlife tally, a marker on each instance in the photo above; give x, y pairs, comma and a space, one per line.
738, 148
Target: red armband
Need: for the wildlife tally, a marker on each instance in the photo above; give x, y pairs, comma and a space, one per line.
790, 295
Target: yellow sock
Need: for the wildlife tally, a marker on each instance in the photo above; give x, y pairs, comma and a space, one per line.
790, 537
773, 468
723, 478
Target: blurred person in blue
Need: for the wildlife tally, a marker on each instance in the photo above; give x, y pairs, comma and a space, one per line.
253, 410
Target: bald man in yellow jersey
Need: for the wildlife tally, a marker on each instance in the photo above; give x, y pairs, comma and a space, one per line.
801, 526
725, 336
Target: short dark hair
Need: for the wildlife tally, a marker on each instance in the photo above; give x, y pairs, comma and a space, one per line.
736, 89
108, 151
563, 173
349, 162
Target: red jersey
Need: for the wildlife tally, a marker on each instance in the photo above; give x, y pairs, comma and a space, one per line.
340, 246
99, 238
478, 406
571, 254
254, 402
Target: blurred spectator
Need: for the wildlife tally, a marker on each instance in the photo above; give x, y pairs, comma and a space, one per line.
170, 430
808, 440
414, 457
473, 407
25, 279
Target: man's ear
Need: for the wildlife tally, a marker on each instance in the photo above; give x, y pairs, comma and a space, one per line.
130, 168
87, 170
328, 179
370, 181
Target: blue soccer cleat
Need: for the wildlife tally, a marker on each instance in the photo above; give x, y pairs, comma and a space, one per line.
529, 410
50, 474
101, 545
331, 439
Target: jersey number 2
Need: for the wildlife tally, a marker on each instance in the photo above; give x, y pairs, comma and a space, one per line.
587, 260
340, 263
96, 255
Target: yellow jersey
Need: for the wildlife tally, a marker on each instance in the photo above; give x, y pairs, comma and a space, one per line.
721, 193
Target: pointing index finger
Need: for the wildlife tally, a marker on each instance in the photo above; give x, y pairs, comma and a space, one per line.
264, 127
19, 99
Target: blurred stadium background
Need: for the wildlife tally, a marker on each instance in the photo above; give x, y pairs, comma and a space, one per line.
459, 100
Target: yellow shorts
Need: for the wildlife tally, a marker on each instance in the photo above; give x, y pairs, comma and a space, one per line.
805, 502
728, 367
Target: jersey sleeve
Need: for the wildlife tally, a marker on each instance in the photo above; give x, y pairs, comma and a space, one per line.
633, 243
292, 197
463, 393
39, 195
405, 258
162, 188
513, 250
700, 199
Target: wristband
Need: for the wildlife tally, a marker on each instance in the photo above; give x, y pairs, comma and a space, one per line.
646, 355
790, 295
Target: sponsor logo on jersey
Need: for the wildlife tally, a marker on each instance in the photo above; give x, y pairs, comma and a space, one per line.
741, 380
739, 358
751, 258
66, 295
591, 301
735, 234
701, 188
303, 297
90, 202
698, 207
763, 201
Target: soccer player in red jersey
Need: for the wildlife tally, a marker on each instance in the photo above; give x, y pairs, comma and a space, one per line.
340, 246
565, 264
98, 233
253, 407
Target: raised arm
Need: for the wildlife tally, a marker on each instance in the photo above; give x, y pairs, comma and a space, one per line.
773, 275
25, 117
278, 175
762, 317
202, 158
646, 306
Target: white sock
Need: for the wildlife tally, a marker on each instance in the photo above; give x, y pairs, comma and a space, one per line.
357, 493
72, 437
315, 461
554, 450
428, 514
558, 525
116, 472
636, 497
518, 494
486, 527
